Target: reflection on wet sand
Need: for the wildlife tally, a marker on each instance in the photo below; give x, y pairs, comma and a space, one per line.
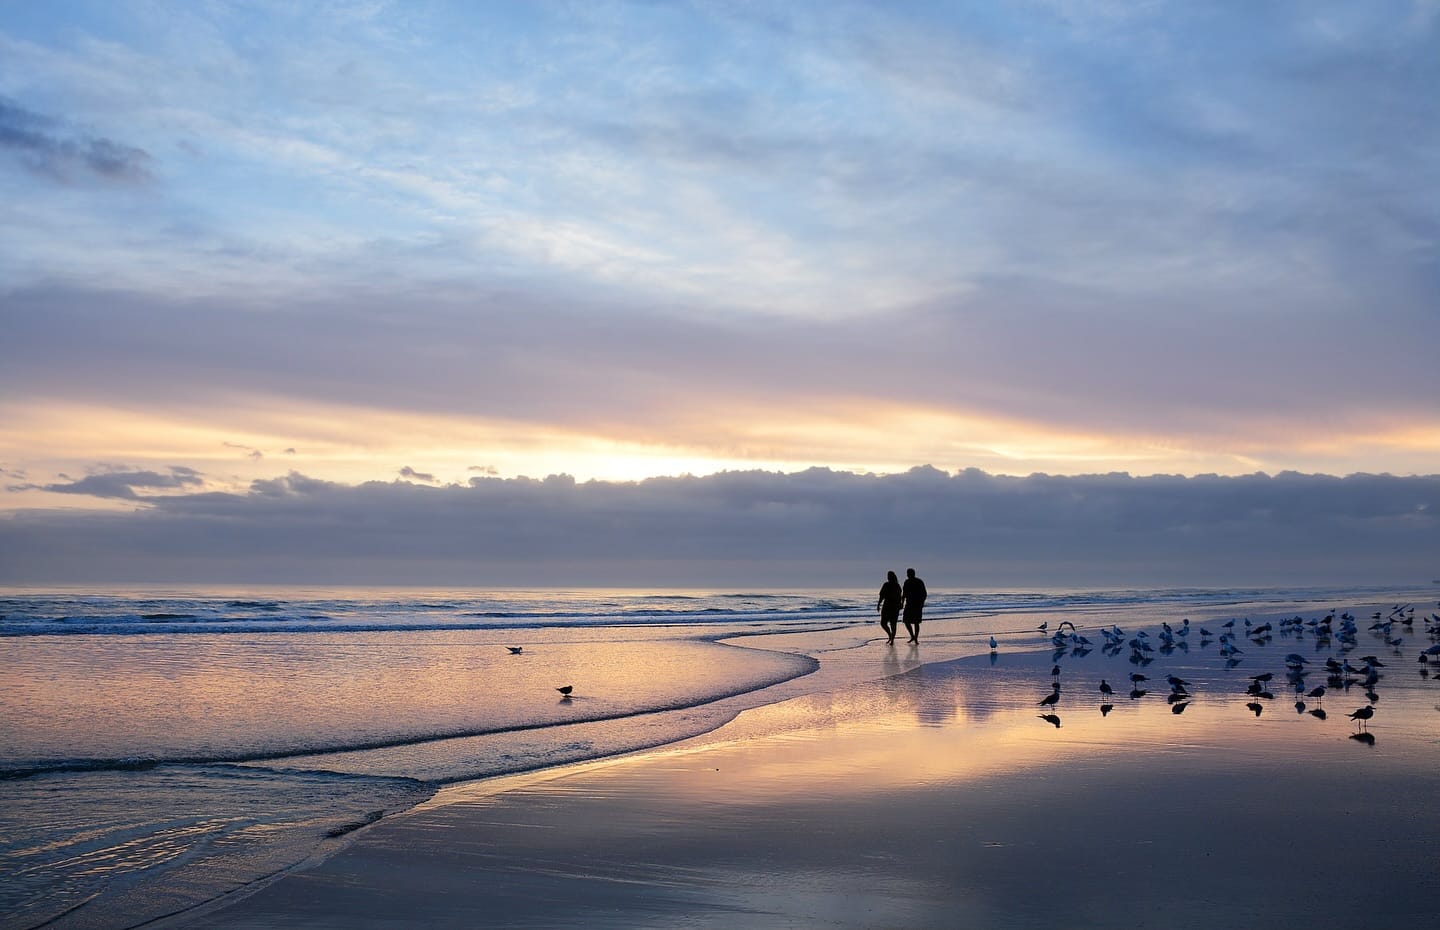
926, 799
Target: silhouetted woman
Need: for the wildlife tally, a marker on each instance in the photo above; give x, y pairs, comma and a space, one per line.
889, 605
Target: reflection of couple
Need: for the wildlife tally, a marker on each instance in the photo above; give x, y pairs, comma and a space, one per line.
896, 601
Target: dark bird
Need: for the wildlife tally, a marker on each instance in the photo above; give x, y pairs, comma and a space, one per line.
1136, 677
515, 650
1317, 692
1363, 714
1050, 699
1260, 678
566, 689
1105, 688
1055, 671
1051, 719
993, 644
1176, 682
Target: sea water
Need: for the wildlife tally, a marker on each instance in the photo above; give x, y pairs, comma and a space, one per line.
161, 748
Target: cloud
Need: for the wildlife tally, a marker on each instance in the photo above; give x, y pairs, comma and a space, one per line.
122, 484
48, 147
810, 528
408, 472
250, 451
1211, 376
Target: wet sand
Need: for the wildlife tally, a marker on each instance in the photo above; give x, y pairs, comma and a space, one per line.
937, 798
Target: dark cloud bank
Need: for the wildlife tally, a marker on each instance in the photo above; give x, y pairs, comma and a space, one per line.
817, 527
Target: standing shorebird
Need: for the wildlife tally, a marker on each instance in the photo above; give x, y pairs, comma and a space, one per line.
1105, 689
1362, 715
565, 689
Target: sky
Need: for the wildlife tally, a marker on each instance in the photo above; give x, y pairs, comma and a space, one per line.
375, 274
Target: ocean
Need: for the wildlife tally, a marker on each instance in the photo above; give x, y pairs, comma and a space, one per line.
161, 748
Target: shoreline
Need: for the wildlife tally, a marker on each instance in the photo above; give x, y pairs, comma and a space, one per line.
926, 798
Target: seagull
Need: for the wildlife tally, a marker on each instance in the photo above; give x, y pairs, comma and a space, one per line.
993, 645
515, 650
1176, 682
1044, 625
566, 689
1105, 689
1050, 699
1363, 714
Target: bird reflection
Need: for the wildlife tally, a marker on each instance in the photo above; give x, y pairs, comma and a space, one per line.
1179, 708
1105, 709
1257, 708
1319, 713
1364, 736
1051, 719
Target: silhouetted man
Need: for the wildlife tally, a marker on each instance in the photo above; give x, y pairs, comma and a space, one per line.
889, 605
913, 595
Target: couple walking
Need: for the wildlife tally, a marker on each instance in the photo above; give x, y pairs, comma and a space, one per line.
895, 599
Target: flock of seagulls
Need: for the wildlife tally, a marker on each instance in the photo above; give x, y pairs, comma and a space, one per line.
1336, 633
1340, 673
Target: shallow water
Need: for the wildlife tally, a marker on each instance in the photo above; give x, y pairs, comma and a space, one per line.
150, 771
938, 797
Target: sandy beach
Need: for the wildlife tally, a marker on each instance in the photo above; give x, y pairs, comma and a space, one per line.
937, 797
